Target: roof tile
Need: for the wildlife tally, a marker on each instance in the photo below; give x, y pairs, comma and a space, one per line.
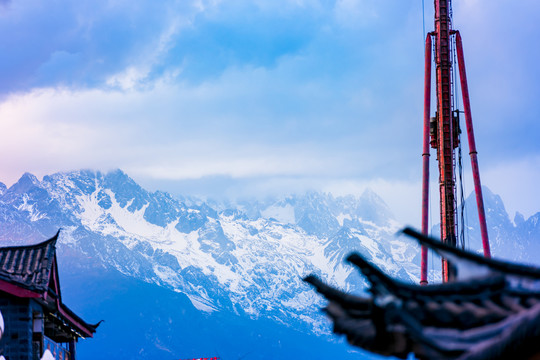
28, 266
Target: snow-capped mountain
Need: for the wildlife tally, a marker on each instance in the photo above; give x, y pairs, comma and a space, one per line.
244, 259
517, 240
249, 259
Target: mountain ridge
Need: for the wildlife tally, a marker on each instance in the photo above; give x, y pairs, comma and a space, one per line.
243, 258
160, 239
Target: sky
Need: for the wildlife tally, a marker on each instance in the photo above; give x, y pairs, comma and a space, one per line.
237, 98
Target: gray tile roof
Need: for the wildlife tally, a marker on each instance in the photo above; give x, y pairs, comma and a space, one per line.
28, 266
491, 311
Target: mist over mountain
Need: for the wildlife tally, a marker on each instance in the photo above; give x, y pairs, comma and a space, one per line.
169, 264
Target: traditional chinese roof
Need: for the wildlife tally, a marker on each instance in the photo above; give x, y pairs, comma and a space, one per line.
31, 271
492, 310
28, 266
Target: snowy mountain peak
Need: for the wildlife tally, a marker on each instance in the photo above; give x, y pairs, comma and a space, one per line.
494, 209
519, 219
26, 182
244, 257
370, 194
248, 258
491, 200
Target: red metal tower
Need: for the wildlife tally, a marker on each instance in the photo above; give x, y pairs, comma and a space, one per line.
442, 132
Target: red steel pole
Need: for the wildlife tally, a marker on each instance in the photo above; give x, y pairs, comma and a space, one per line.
445, 135
425, 158
472, 146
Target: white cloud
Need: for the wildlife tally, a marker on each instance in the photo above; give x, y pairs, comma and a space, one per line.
168, 131
339, 107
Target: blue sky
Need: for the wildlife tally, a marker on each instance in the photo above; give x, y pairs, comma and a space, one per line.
240, 98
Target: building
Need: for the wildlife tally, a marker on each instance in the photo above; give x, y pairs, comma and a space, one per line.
35, 317
491, 311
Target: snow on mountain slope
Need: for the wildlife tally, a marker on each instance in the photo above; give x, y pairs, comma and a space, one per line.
247, 261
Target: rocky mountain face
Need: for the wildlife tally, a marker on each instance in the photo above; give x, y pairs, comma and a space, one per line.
248, 259
245, 259
517, 240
